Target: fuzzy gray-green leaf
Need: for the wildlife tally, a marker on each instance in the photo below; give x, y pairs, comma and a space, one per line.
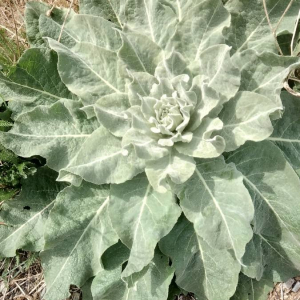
216, 201
275, 190
78, 233
149, 217
25, 216
199, 268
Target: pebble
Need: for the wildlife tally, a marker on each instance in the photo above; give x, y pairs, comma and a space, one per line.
296, 288
288, 284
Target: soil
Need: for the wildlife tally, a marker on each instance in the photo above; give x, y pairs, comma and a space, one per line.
281, 292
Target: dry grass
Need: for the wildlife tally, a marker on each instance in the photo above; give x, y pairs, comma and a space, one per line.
21, 278
281, 292
12, 16
12, 26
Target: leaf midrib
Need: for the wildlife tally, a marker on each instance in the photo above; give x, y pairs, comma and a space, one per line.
218, 208
79, 240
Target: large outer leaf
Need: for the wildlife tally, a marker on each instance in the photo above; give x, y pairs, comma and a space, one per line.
101, 159
33, 12
253, 260
250, 28
78, 232
210, 273
215, 200
25, 216
250, 289
81, 28
247, 118
90, 66
201, 26
147, 216
286, 133
265, 73
222, 76
153, 18
275, 190
56, 133
112, 10
34, 81
139, 53
150, 284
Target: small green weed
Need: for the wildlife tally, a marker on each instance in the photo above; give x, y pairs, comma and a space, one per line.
12, 168
10, 51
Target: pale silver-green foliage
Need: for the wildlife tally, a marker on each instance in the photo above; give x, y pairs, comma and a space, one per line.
286, 134
24, 217
79, 218
136, 105
149, 217
274, 188
195, 261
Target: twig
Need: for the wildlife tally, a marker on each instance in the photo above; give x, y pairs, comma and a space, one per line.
294, 79
271, 27
294, 34
41, 282
49, 12
11, 32
16, 30
21, 290
65, 20
284, 13
289, 89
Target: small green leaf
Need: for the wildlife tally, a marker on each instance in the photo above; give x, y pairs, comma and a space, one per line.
203, 145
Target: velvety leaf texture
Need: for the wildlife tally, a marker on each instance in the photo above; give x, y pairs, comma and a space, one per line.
76, 239
171, 151
26, 215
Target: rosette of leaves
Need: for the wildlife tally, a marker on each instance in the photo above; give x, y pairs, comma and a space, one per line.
160, 116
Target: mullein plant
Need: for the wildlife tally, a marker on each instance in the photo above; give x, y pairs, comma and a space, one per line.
172, 152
